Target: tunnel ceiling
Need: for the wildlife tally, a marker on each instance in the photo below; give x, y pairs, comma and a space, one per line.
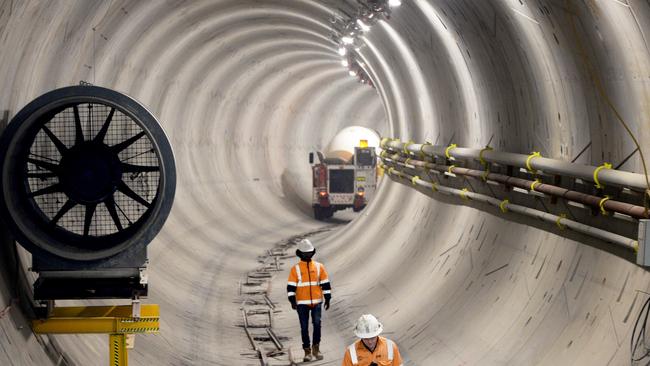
245, 89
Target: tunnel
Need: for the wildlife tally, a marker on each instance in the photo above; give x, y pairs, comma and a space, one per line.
246, 89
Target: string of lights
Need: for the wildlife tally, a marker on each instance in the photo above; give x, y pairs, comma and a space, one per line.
347, 32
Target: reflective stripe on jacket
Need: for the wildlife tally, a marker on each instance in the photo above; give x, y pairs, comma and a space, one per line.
386, 354
308, 282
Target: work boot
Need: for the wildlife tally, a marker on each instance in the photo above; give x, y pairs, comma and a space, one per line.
308, 357
316, 352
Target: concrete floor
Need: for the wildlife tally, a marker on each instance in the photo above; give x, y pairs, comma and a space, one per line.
245, 89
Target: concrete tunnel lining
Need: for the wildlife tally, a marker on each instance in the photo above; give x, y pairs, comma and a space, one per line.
452, 285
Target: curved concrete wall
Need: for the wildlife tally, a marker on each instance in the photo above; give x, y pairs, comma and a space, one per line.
246, 88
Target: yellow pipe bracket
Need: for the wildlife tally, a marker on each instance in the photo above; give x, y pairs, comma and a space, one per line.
504, 205
534, 154
559, 223
597, 171
601, 204
448, 150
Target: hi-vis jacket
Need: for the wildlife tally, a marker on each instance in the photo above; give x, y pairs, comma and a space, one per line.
308, 283
385, 354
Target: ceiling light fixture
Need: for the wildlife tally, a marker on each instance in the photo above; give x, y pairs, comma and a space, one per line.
363, 25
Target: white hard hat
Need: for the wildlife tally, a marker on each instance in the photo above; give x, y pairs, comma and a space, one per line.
305, 246
368, 326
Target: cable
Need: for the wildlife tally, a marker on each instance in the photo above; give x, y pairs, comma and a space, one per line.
634, 344
596, 80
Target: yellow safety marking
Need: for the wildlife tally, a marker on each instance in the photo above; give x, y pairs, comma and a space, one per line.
504, 205
635, 246
118, 311
463, 194
558, 222
448, 149
141, 325
534, 154
601, 204
95, 325
480, 155
534, 184
597, 171
117, 350
414, 179
406, 145
450, 168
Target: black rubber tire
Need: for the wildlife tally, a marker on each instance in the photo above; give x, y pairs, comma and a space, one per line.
318, 213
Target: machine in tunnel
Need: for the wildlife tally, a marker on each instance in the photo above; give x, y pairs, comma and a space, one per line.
345, 175
88, 179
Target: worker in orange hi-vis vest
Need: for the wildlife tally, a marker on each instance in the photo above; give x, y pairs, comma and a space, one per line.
370, 349
308, 283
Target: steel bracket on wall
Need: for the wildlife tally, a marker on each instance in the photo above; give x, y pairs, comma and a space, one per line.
121, 323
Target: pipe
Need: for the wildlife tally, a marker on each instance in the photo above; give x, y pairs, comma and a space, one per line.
637, 212
613, 238
633, 181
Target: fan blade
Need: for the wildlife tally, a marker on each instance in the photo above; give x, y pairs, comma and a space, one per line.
44, 164
129, 168
90, 211
59, 145
122, 187
124, 144
79, 133
67, 206
47, 190
102, 132
110, 206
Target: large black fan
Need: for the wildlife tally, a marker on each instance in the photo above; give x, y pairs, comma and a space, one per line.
86, 173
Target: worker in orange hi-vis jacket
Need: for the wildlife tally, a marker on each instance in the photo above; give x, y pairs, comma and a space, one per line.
370, 349
308, 283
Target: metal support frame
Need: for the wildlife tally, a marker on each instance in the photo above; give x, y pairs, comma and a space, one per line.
116, 321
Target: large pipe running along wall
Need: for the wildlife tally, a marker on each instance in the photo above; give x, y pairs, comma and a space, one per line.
246, 88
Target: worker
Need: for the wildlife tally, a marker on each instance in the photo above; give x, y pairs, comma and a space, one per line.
371, 349
308, 283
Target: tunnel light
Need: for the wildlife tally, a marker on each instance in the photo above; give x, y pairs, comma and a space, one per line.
345, 63
347, 40
343, 51
363, 25
394, 3
353, 73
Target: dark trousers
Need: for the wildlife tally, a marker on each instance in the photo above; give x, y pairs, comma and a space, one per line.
303, 315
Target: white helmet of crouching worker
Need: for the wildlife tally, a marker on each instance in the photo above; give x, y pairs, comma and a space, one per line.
368, 326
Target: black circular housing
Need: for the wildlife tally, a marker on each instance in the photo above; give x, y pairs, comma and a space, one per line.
87, 172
